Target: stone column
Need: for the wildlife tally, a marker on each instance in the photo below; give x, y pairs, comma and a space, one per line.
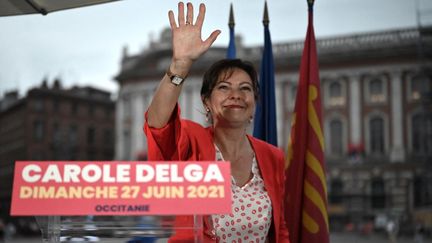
137, 134
397, 151
355, 110
118, 154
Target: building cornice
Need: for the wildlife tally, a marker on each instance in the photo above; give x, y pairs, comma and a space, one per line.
349, 50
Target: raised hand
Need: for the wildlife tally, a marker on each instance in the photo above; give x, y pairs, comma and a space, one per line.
187, 43
187, 47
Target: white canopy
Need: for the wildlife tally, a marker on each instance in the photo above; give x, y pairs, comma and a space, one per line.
18, 7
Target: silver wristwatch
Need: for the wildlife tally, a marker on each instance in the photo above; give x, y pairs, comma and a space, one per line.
175, 79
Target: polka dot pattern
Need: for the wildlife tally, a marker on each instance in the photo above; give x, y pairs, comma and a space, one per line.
251, 216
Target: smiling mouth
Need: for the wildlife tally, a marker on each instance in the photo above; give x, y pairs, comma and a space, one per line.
234, 106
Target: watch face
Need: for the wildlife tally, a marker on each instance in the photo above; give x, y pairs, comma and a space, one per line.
177, 80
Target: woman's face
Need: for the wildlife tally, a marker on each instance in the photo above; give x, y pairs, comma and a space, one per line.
232, 101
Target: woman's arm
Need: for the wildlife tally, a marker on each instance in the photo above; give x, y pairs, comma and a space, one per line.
187, 47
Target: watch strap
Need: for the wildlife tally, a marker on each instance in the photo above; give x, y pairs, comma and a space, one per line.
171, 75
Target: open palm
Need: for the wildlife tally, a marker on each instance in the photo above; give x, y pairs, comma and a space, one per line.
187, 43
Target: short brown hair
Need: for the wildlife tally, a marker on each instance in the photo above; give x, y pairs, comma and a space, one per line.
211, 76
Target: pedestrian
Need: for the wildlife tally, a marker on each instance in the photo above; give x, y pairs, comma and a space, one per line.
392, 231
418, 234
9, 232
367, 228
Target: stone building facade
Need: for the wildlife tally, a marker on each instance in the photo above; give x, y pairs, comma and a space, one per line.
376, 91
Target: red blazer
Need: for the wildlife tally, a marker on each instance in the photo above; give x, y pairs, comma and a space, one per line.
182, 140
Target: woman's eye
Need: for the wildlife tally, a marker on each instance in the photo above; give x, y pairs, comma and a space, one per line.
246, 88
223, 87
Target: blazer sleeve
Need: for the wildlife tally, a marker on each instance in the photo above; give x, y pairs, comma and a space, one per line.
169, 142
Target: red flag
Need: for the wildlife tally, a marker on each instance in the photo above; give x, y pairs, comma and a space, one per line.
306, 193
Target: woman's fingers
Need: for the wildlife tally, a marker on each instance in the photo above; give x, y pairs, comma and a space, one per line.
187, 40
172, 20
189, 15
201, 15
181, 17
213, 36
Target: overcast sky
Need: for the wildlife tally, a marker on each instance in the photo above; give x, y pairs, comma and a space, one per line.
83, 46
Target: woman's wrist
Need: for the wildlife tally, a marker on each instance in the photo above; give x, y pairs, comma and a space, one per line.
180, 67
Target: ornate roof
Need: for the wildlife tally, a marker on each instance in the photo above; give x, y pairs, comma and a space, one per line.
356, 49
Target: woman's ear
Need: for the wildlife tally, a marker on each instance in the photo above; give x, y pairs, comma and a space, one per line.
205, 102
207, 109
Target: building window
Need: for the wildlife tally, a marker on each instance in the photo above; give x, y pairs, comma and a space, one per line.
422, 134
37, 155
56, 105
38, 104
336, 95
73, 135
74, 108
91, 110
293, 92
376, 91
91, 155
38, 130
127, 145
58, 150
108, 137
422, 191
376, 135
292, 96
335, 90
73, 154
56, 134
108, 113
336, 191
108, 154
336, 141
127, 107
91, 133
378, 198
186, 100
416, 84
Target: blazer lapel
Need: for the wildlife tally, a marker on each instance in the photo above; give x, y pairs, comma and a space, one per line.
265, 165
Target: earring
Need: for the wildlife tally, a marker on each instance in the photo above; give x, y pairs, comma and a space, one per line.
250, 119
207, 114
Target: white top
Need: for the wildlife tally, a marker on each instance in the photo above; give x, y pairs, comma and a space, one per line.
251, 215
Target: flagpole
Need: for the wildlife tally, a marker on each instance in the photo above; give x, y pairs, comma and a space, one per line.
306, 188
231, 51
231, 22
310, 5
265, 122
266, 19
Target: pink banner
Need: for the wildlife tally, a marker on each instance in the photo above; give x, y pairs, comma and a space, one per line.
121, 188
